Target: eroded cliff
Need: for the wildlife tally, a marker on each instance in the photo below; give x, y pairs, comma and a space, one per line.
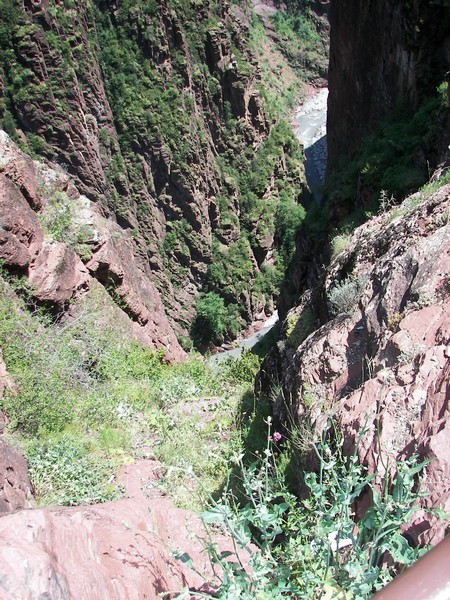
158, 113
368, 346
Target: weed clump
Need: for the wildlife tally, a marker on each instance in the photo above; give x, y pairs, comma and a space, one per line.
313, 547
344, 296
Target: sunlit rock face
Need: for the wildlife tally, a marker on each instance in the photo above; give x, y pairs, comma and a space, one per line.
379, 364
40, 240
137, 103
116, 550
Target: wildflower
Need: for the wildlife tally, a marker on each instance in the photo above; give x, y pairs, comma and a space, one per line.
276, 437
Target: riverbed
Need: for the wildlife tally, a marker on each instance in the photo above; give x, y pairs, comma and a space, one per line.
310, 128
248, 342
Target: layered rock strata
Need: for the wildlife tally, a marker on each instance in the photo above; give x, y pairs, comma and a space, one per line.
39, 207
137, 103
380, 362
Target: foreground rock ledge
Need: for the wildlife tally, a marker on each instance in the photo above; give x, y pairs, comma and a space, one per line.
116, 551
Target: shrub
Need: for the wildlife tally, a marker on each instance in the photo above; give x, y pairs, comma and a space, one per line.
299, 326
312, 548
339, 243
242, 369
344, 296
289, 217
213, 320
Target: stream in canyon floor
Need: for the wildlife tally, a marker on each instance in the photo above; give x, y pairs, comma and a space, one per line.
310, 128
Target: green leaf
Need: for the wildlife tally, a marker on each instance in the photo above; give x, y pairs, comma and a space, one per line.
184, 558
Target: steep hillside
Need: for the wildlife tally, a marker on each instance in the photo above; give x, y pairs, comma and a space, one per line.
158, 111
364, 342
57, 250
368, 346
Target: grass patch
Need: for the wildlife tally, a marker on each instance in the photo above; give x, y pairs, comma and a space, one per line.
87, 400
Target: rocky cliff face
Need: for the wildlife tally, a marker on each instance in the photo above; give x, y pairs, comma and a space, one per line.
369, 347
383, 55
149, 107
47, 226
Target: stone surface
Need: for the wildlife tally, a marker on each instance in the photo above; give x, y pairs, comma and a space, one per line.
15, 486
382, 364
21, 234
116, 550
152, 186
56, 273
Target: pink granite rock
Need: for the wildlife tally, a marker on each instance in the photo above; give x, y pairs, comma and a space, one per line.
117, 550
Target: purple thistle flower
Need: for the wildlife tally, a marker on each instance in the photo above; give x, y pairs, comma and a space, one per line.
276, 437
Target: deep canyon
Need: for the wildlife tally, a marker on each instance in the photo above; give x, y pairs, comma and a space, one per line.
162, 194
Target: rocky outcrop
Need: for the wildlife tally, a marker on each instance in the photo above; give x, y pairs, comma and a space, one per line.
116, 550
15, 486
380, 362
46, 225
383, 55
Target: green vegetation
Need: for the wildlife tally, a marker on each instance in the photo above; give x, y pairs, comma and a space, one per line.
339, 243
300, 326
87, 400
303, 40
213, 320
387, 160
312, 548
61, 222
269, 209
173, 110
344, 296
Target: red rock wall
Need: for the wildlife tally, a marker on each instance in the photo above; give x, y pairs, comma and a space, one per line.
382, 364
63, 102
54, 269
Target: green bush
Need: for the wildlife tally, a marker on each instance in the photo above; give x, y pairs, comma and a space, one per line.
312, 548
344, 296
213, 320
242, 369
288, 219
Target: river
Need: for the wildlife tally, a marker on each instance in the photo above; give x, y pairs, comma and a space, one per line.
310, 128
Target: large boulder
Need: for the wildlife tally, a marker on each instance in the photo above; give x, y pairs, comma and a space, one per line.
116, 550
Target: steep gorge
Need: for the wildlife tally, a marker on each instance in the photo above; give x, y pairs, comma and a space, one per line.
365, 340
365, 335
160, 114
